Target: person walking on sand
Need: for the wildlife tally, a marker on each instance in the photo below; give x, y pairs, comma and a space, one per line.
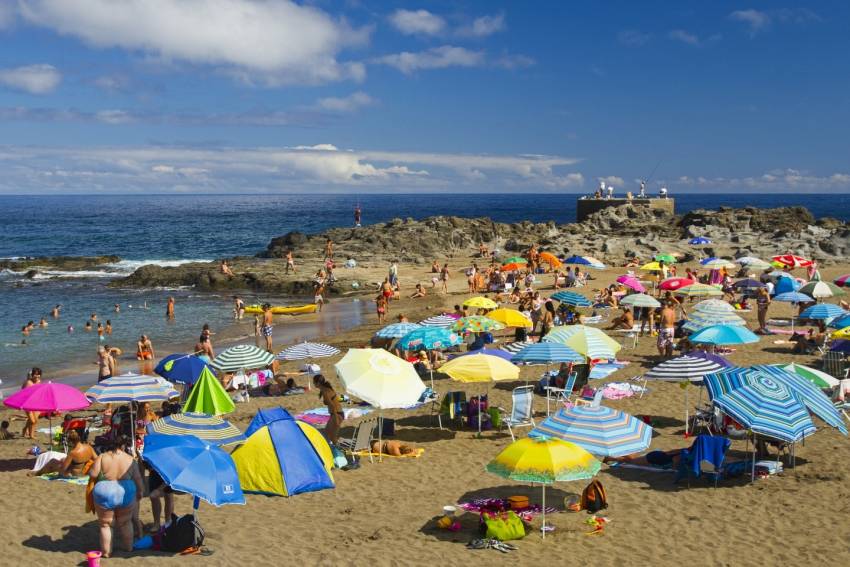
329, 249
666, 330
169, 309
33, 378
381, 303
238, 308
290, 263
105, 363
319, 293
444, 277
268, 325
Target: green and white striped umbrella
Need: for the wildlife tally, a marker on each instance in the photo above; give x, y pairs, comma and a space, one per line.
640, 300
819, 290
699, 290
242, 357
817, 377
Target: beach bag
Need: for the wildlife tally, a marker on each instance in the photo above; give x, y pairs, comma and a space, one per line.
504, 527
593, 497
340, 460
182, 533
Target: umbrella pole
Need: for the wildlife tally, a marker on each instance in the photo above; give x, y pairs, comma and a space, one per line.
132, 430
196, 503
543, 529
753, 474
380, 436
686, 412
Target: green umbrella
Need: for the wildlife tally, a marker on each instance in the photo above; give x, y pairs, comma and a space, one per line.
208, 396
666, 258
816, 377
515, 260
819, 290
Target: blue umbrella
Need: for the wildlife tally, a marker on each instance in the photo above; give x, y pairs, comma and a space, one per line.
823, 311
581, 261
705, 261
191, 465
698, 241
793, 297
181, 368
600, 430
491, 351
841, 345
572, 298
840, 322
785, 284
748, 283
547, 353
724, 335
428, 338
396, 330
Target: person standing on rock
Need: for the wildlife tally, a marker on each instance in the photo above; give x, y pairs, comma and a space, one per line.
268, 325
357, 215
329, 249
290, 262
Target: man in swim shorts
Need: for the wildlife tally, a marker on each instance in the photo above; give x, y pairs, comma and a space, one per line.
268, 325
666, 330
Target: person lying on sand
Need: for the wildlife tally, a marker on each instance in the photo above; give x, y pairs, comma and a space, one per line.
393, 448
664, 459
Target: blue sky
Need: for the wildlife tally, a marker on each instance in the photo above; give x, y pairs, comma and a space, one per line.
277, 96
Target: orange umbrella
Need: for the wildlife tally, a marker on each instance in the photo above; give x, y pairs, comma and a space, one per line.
513, 266
550, 259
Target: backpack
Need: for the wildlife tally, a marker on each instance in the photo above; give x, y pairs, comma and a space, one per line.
593, 497
182, 533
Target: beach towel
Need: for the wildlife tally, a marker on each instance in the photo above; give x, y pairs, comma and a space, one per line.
452, 404
46, 457
778, 331
620, 390
320, 416
415, 455
77, 480
490, 504
605, 369
706, 448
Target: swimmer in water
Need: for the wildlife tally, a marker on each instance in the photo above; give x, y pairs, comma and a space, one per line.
100, 331
108, 328
55, 311
93, 317
88, 326
42, 323
25, 332
117, 308
70, 328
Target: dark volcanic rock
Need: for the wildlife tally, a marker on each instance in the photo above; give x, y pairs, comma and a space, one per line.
69, 263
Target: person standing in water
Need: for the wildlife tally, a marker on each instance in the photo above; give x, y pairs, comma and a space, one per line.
169, 309
268, 325
105, 363
238, 307
357, 215
55, 311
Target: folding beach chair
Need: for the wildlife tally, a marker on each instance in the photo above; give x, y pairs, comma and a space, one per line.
593, 402
561, 395
453, 406
704, 448
835, 365
361, 441
522, 407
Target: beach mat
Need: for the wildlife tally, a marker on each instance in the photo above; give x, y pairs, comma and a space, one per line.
616, 465
414, 455
77, 480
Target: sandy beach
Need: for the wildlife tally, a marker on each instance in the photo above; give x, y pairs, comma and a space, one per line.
384, 513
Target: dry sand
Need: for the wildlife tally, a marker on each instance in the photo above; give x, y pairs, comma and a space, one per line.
384, 513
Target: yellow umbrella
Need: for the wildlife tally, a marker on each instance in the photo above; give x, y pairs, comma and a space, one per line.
480, 368
842, 333
651, 267
544, 460
481, 302
587, 341
510, 318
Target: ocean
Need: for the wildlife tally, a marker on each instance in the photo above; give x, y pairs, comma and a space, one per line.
170, 229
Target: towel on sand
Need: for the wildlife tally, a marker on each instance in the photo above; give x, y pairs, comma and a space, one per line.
77, 480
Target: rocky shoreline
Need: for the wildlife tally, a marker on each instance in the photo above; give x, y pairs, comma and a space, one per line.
611, 235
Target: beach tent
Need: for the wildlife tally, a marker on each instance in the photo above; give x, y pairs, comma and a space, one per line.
785, 284
282, 456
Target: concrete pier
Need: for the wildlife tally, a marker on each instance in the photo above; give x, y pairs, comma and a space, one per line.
586, 207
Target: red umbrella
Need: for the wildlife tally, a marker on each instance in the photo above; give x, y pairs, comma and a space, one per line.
673, 284
793, 261
631, 282
49, 397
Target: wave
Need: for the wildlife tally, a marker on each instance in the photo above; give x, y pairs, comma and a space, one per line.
130, 266
113, 270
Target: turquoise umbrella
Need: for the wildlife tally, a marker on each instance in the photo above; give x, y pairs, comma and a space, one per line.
429, 338
724, 335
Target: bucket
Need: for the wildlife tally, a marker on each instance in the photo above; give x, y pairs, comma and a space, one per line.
94, 558
449, 511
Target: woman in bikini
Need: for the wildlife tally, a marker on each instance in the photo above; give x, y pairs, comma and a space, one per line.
330, 398
76, 463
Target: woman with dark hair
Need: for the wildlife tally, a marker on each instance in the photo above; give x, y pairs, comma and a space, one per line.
547, 318
117, 490
330, 398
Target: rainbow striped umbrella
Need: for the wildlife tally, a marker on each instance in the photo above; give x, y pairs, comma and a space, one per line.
601, 431
211, 428
842, 281
588, 341
131, 388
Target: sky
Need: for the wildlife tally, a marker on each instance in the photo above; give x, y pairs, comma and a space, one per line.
255, 96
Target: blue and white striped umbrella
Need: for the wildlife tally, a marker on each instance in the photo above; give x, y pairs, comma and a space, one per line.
516, 346
822, 311
396, 330
132, 388
681, 368
714, 306
242, 357
439, 321
600, 430
793, 297
572, 298
699, 320
211, 428
760, 402
429, 338
724, 335
306, 351
547, 353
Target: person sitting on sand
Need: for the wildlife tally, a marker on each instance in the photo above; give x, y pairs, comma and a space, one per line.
420, 292
76, 464
624, 321
632, 263
5, 434
435, 267
393, 448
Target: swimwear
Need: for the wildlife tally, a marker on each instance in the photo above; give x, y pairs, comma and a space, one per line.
665, 337
659, 459
318, 299
381, 310
205, 358
144, 355
266, 330
113, 494
388, 293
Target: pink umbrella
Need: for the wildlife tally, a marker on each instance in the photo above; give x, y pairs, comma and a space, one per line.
675, 283
842, 281
631, 282
48, 397
792, 261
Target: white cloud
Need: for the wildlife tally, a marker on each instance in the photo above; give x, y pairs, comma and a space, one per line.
271, 42
776, 180
112, 83
34, 79
114, 116
435, 58
484, 26
633, 38
509, 61
417, 22
758, 21
350, 103
754, 19
7, 15
684, 37
612, 180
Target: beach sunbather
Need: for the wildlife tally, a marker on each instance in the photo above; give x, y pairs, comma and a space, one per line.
661, 459
393, 448
76, 463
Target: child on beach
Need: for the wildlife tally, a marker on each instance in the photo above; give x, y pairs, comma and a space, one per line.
381, 302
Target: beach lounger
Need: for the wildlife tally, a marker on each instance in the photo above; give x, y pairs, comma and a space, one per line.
834, 364
521, 411
361, 441
593, 402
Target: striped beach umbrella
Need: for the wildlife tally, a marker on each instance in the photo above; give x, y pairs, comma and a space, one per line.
761, 403
396, 330
822, 311
842, 281
640, 300
714, 307
131, 388
429, 338
700, 290
840, 322
631, 282
242, 357
476, 324
211, 428
793, 297
819, 290
747, 260
439, 321
792, 261
699, 320
588, 341
817, 377
710, 356
716, 263
724, 335
685, 367
571, 298
672, 284
307, 351
515, 346
601, 431
811, 396
547, 353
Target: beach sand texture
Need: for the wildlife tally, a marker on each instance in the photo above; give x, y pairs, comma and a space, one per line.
384, 513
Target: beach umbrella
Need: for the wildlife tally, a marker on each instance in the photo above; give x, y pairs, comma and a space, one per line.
578, 260
699, 320
747, 283
699, 241
543, 460
512, 267
396, 330
760, 403
672, 284
747, 260
601, 431
840, 322
516, 346
476, 324
308, 351
793, 297
714, 306
724, 335
841, 333
821, 289
489, 351
208, 396
180, 368
131, 388
792, 261
685, 368
822, 311
211, 428
588, 341
817, 377
699, 290
595, 262
550, 259
710, 356
510, 318
632, 283
571, 298
242, 357
480, 368
444, 320
429, 338
716, 263
50, 397
547, 353
840, 345
666, 258
515, 260
379, 378
191, 465
640, 300
481, 302
785, 283
651, 267
842, 281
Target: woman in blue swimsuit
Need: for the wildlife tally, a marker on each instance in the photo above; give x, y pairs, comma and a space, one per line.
116, 493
